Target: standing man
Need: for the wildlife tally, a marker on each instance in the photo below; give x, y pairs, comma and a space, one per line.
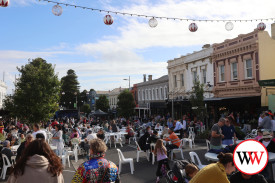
216, 135
266, 122
184, 125
179, 128
36, 130
228, 131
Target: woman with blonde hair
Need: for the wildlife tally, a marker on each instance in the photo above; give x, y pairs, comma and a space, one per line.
161, 153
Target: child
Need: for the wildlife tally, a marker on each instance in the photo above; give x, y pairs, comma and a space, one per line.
260, 135
161, 153
75, 140
190, 170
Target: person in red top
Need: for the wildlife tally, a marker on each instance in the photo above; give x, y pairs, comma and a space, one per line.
1, 128
175, 141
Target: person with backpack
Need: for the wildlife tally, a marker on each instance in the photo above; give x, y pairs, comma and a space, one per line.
161, 153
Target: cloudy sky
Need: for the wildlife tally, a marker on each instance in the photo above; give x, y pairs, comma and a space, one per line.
102, 55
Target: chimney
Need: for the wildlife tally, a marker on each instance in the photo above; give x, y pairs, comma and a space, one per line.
144, 77
206, 46
273, 31
150, 77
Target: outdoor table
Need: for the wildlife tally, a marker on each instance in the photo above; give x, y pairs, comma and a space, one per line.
14, 148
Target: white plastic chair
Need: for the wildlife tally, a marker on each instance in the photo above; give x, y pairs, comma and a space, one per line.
134, 138
65, 156
189, 140
118, 139
194, 155
140, 151
122, 160
208, 144
178, 149
191, 129
74, 152
6, 165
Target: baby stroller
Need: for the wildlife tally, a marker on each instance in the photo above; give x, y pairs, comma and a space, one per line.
177, 174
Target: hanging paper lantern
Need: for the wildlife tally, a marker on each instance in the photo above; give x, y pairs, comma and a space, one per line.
153, 22
108, 20
193, 27
57, 10
4, 3
261, 26
229, 26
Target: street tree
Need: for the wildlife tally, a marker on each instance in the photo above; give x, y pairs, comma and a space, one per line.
69, 89
102, 103
37, 91
126, 104
85, 108
196, 100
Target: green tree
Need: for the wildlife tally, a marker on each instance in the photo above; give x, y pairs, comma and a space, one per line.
102, 103
196, 100
36, 92
69, 89
8, 105
83, 98
126, 104
85, 108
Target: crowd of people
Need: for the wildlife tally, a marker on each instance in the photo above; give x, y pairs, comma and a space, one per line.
158, 135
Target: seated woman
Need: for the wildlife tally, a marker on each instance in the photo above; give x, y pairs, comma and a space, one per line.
23, 145
216, 172
74, 132
38, 163
158, 127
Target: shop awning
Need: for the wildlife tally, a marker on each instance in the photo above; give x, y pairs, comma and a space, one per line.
226, 98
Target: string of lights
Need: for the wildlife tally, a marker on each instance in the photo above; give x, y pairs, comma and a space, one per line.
108, 19
158, 17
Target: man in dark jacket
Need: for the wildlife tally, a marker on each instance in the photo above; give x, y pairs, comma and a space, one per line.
153, 138
143, 139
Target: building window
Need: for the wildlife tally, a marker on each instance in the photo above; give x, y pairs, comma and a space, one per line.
182, 79
161, 94
153, 94
248, 68
157, 94
149, 95
139, 95
143, 94
203, 76
195, 79
146, 92
234, 71
175, 81
222, 73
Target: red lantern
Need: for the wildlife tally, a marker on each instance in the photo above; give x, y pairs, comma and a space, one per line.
108, 20
261, 26
193, 27
4, 3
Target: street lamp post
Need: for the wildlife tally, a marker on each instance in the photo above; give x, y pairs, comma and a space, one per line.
129, 81
75, 100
